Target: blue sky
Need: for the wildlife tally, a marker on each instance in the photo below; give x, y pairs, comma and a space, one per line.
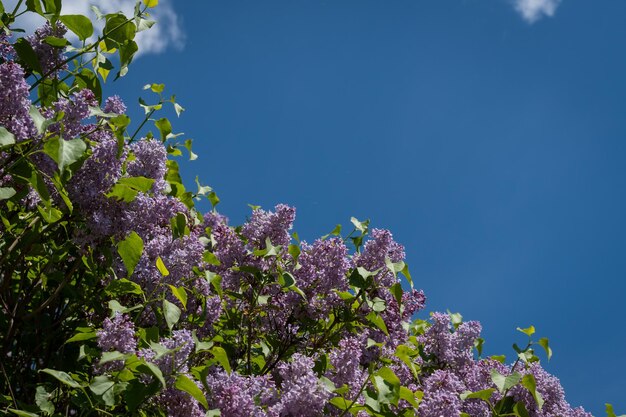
488, 135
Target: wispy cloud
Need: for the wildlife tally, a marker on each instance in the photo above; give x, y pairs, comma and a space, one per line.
166, 33
533, 10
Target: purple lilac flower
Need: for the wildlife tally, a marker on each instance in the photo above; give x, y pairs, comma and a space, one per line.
114, 104
6, 49
117, 334
550, 389
75, 110
273, 225
150, 157
50, 58
182, 345
98, 173
441, 395
178, 255
346, 362
413, 302
228, 248
179, 404
14, 102
375, 253
323, 266
452, 349
240, 396
302, 394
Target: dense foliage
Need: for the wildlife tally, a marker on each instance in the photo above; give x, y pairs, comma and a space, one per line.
119, 298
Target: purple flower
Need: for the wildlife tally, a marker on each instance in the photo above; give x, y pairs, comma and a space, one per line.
345, 360
117, 334
14, 102
550, 389
323, 267
302, 394
441, 395
273, 225
375, 253
6, 49
181, 343
413, 302
179, 404
450, 348
114, 104
240, 396
150, 157
50, 58
75, 110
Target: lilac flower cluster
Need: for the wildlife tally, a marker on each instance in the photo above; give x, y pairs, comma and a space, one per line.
117, 334
274, 226
6, 49
240, 396
14, 101
50, 58
302, 393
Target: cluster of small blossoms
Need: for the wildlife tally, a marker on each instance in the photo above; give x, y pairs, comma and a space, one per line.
51, 59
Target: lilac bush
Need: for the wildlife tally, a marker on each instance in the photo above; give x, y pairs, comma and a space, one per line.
119, 297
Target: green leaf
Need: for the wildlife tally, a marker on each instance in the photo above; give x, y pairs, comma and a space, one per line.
27, 54
101, 384
56, 42
6, 138
86, 78
130, 249
150, 368
157, 88
408, 396
519, 409
484, 395
62, 377
50, 214
42, 399
78, 24
79, 337
361, 226
64, 152
142, 184
6, 193
151, 3
529, 331
377, 321
529, 382
22, 413
180, 294
178, 109
34, 6
40, 122
112, 356
161, 267
504, 382
185, 384
545, 344
388, 386
164, 126
171, 313
610, 412
123, 286
118, 28
221, 357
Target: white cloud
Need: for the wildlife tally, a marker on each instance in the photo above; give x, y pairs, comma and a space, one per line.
167, 31
533, 10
